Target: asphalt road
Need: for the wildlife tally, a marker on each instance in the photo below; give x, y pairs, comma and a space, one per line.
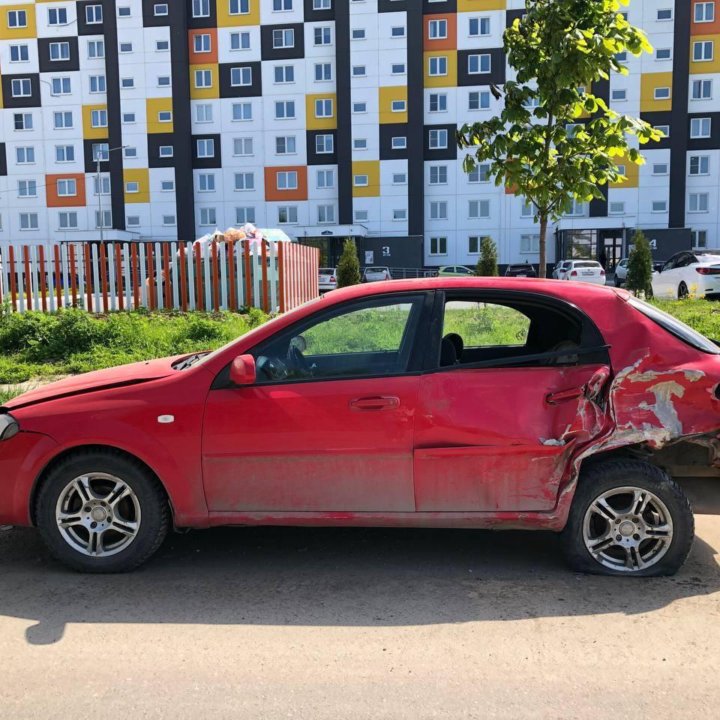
341, 624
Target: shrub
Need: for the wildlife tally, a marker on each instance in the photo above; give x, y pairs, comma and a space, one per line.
487, 265
639, 275
348, 269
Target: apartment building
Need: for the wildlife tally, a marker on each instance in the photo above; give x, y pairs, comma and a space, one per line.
328, 118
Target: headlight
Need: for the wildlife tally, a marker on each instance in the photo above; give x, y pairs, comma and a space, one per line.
8, 426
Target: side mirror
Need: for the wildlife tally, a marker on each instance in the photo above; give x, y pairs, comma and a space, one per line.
242, 370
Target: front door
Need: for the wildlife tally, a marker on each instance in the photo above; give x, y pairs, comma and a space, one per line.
328, 427
508, 404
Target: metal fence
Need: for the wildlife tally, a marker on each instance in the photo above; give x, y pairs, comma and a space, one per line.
100, 277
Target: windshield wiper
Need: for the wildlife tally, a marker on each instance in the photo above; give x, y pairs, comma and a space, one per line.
189, 361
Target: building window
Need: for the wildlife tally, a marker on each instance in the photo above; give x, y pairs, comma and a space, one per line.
438, 210
399, 143
132, 220
360, 180
397, 68
19, 53
127, 83
67, 220
618, 95
126, 47
27, 188
203, 113
103, 218
130, 152
323, 72
360, 144
399, 178
616, 208
704, 12
576, 208
283, 38
23, 121
358, 33
701, 89
124, 11
664, 129
665, 14
703, 50
282, 5
438, 102
398, 31
437, 66
240, 41
324, 144
323, 36
57, 16
166, 151
100, 151
202, 43
160, 9
163, 81
399, 215
323, 108
479, 100
17, 19
60, 86
478, 64
360, 215
96, 49
21, 87
102, 187
322, 4
203, 78
65, 153
474, 245
699, 238
287, 180
527, 210
284, 74
285, 110
529, 244
438, 139
164, 116
98, 118
325, 179
660, 169
245, 181
242, 111
208, 216
700, 127
67, 187
205, 148
167, 186
97, 84
438, 175
285, 145
359, 71
699, 165
438, 246
478, 209
699, 203
437, 29
200, 8
359, 107
659, 206
59, 51
25, 155
168, 220
478, 26
28, 221
326, 213
240, 76
239, 7
242, 147
662, 93
93, 14
287, 214
398, 106
663, 54
244, 215
62, 120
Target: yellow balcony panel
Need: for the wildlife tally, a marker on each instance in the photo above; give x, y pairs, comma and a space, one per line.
390, 100
443, 66
138, 182
653, 90
366, 178
316, 107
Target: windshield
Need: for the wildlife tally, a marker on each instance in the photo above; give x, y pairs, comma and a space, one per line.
675, 327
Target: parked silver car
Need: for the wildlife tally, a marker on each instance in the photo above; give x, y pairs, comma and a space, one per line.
327, 279
621, 270
376, 274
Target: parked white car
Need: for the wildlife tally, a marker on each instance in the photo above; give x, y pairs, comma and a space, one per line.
589, 271
560, 269
376, 274
688, 274
327, 279
621, 270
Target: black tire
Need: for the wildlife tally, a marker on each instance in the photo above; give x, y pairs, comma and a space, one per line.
149, 496
605, 476
682, 291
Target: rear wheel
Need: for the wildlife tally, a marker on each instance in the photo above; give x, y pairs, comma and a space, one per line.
101, 513
628, 518
682, 291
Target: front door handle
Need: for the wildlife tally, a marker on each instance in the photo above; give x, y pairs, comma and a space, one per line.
375, 403
564, 395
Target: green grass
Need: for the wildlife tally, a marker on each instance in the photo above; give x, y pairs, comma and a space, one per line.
38, 346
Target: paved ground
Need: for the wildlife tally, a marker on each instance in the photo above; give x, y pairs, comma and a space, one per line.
280, 623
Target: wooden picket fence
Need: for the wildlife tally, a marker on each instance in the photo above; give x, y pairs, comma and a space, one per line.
224, 275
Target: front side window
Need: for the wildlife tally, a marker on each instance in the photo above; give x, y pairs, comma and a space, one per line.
372, 338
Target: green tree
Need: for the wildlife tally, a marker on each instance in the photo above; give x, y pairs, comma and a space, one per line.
639, 274
487, 264
348, 269
554, 140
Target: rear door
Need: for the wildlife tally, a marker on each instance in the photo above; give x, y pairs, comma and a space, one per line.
494, 432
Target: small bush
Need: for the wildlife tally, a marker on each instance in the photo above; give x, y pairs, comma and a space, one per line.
348, 269
487, 265
639, 275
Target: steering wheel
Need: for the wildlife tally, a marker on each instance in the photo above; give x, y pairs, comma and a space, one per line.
297, 360
272, 368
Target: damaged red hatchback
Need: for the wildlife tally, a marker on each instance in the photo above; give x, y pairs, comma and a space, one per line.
456, 403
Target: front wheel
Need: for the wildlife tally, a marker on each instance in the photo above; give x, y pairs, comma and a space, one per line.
682, 291
101, 512
628, 518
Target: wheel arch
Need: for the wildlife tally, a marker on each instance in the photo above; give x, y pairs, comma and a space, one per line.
110, 450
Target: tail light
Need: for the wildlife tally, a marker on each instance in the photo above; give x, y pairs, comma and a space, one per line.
708, 270
602, 273
573, 273
332, 278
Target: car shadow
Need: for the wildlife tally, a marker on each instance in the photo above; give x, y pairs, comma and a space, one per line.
331, 577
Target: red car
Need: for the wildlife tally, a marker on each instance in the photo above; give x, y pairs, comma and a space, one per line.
456, 403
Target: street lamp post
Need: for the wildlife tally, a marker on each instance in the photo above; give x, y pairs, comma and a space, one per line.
98, 157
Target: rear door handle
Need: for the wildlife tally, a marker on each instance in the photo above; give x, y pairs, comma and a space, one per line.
564, 395
375, 403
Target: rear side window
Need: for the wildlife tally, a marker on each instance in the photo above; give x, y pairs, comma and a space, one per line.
675, 327
485, 324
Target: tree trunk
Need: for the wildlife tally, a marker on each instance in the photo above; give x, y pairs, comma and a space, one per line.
542, 262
